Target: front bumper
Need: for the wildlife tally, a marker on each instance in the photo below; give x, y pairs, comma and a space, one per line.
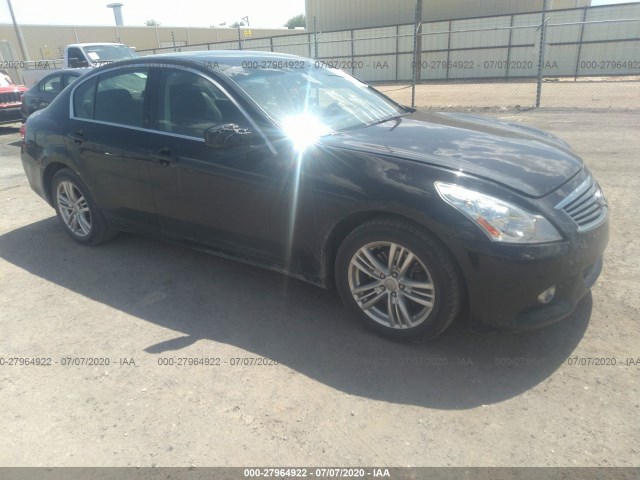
504, 281
11, 114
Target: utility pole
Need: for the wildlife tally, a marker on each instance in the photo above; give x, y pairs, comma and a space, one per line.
23, 45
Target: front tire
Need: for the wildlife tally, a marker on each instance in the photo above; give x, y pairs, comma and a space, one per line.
77, 211
398, 279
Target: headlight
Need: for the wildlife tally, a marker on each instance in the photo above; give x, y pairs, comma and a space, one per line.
501, 221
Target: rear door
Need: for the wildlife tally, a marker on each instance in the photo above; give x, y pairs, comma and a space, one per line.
107, 137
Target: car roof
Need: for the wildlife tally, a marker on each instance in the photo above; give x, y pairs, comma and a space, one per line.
79, 71
93, 44
224, 57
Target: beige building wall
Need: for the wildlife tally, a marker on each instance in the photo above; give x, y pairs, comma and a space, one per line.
347, 14
47, 41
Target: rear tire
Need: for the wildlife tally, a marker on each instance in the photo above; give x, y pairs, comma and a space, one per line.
81, 218
398, 279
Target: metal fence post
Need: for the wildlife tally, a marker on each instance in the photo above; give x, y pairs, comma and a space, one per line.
584, 19
543, 40
397, 50
315, 38
353, 70
506, 76
417, 51
449, 48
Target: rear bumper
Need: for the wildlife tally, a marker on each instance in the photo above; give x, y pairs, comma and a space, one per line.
34, 173
504, 282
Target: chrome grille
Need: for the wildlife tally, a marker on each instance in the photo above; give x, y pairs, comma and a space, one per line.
585, 205
12, 97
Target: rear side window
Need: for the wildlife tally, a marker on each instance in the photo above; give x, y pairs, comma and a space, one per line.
69, 79
114, 97
52, 84
120, 97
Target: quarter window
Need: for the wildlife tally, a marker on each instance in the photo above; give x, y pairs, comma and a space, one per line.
83, 99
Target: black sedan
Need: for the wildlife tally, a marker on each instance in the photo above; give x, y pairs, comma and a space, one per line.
277, 161
48, 88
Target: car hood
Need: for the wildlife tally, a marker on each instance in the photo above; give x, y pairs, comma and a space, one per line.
522, 158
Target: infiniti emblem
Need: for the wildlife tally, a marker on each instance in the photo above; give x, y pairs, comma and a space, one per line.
599, 197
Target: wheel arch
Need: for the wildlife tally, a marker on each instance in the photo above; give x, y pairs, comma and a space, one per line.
47, 178
345, 226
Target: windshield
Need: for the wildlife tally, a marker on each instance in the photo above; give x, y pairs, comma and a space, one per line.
312, 95
108, 53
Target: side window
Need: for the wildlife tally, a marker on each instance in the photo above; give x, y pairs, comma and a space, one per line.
52, 84
69, 79
83, 99
189, 104
120, 97
76, 58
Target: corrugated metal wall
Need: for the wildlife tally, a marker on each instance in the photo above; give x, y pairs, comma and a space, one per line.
588, 41
333, 15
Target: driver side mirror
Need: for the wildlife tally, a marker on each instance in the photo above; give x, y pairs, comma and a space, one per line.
227, 135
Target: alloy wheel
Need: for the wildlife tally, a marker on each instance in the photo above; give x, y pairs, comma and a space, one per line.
73, 208
391, 285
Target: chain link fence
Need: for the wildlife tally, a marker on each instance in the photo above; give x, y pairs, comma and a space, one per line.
587, 57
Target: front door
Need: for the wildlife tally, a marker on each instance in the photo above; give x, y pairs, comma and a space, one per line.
227, 198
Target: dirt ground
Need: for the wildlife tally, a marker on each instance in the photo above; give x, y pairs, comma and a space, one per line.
555, 93
330, 393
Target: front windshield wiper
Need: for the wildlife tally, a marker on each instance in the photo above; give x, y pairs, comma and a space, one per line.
387, 119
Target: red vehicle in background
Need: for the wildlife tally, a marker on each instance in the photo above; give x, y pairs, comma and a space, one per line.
10, 99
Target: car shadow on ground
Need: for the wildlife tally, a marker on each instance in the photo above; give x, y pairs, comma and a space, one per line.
10, 129
202, 297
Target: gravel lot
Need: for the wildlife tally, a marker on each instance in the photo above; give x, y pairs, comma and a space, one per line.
619, 94
338, 395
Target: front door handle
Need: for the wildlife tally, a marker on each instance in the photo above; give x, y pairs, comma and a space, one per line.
163, 157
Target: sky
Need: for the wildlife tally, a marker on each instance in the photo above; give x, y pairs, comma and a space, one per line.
195, 13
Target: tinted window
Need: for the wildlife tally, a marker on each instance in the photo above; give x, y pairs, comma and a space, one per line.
52, 84
189, 104
76, 58
115, 97
83, 99
120, 97
69, 79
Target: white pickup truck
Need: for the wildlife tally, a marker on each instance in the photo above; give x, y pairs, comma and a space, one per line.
77, 55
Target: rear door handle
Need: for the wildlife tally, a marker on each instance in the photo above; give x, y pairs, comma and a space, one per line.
77, 137
163, 157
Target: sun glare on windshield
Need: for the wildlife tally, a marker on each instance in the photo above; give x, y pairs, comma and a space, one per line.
304, 129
